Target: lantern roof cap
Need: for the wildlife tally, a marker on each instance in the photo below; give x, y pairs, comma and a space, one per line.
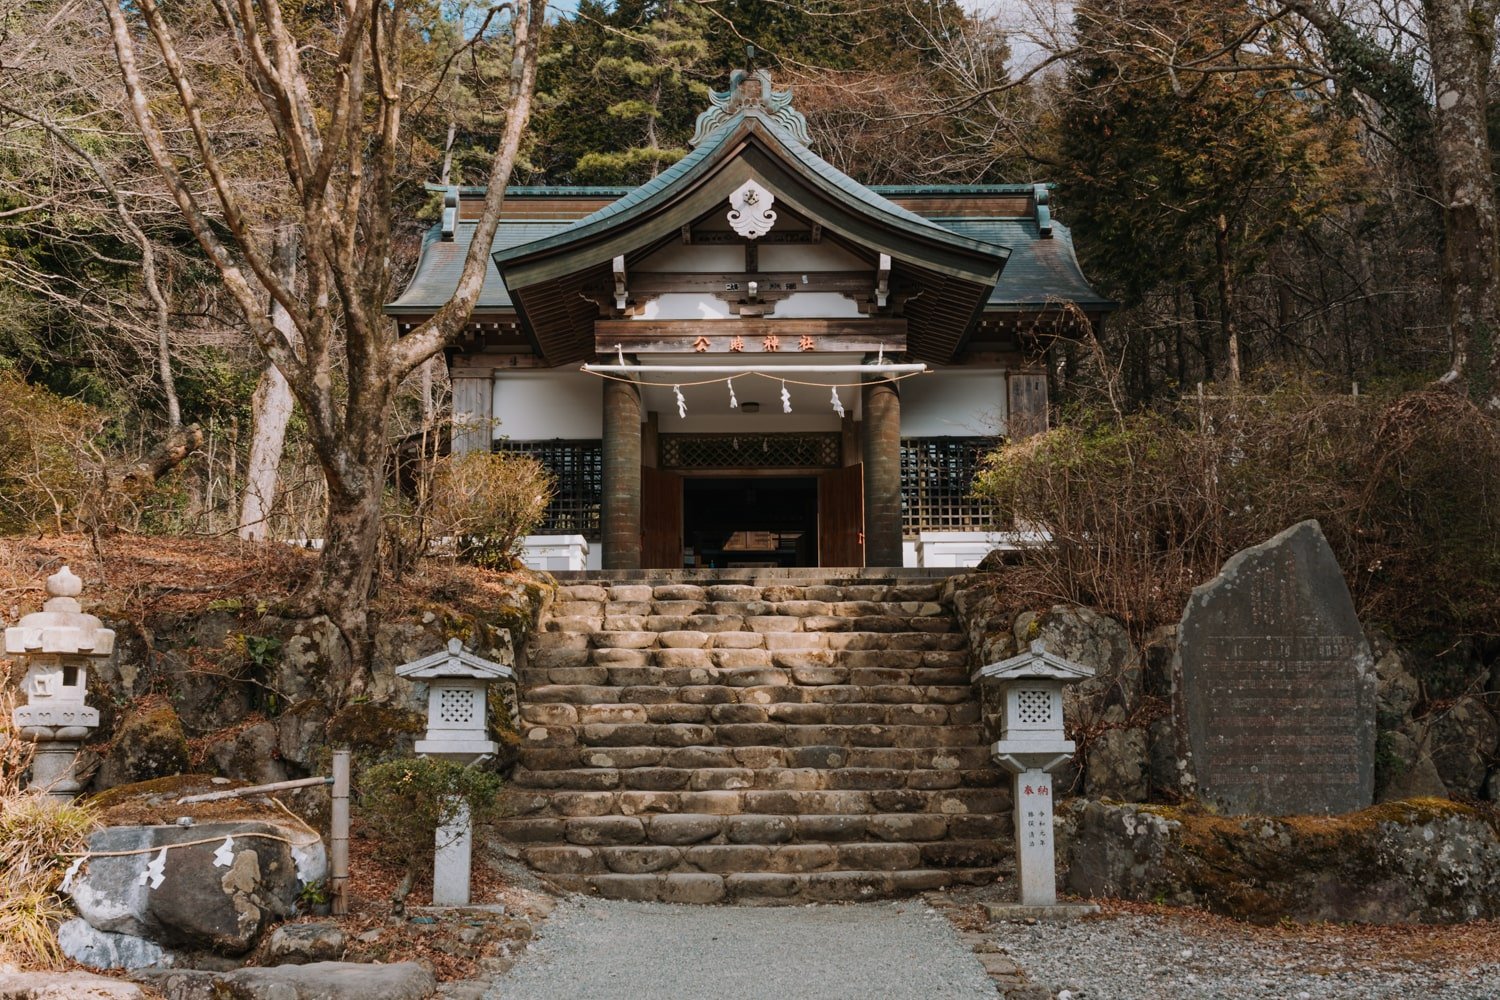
456, 662
1035, 664
61, 627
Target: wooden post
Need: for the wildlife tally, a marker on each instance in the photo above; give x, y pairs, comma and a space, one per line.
621, 515
881, 452
339, 835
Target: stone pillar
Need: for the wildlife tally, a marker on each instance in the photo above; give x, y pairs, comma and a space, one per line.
880, 449
1035, 864
452, 857
621, 516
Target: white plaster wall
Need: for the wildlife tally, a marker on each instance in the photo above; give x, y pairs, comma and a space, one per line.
954, 403
684, 305
541, 406
727, 257
821, 305
808, 257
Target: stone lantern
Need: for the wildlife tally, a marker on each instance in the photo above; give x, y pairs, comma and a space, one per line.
1032, 744
457, 730
57, 644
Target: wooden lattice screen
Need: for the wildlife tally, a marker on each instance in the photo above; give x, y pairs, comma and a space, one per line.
937, 477
750, 451
579, 470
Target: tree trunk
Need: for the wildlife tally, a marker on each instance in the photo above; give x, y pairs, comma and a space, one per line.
271, 409
1226, 299
346, 570
1461, 40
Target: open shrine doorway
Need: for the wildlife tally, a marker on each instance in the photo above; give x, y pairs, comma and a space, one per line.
760, 521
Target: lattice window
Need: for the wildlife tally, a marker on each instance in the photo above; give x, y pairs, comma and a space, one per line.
578, 467
458, 706
937, 480
1034, 708
750, 451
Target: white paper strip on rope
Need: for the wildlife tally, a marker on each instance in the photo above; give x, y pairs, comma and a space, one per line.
786, 398
67, 883
155, 873
838, 404
224, 856
681, 402
734, 404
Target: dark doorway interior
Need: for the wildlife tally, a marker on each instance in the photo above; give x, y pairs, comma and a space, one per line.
751, 521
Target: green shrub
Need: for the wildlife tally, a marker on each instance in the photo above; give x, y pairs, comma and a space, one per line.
403, 802
43, 440
1143, 507
488, 502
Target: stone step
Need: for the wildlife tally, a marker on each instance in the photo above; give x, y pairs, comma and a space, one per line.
685, 829
554, 643
611, 852
897, 709
681, 619
771, 590
516, 802
744, 734
708, 779
769, 888
623, 758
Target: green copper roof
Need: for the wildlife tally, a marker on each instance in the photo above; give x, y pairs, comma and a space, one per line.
707, 155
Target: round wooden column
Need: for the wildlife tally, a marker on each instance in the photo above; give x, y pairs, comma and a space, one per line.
621, 513
880, 450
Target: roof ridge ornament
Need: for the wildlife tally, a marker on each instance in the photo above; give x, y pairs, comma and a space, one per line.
749, 92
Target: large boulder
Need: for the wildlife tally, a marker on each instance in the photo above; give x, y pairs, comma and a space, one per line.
148, 743
65, 986
1404, 769
87, 945
1419, 861
250, 753
1093, 640
1117, 760
1463, 740
220, 890
318, 981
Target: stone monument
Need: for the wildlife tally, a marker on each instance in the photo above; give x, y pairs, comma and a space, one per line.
1276, 684
458, 730
57, 644
1032, 745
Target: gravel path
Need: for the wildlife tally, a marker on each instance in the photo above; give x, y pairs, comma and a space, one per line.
591, 949
1137, 957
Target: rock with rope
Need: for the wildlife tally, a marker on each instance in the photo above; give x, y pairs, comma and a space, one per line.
214, 885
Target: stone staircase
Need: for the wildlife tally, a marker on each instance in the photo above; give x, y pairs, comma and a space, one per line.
753, 736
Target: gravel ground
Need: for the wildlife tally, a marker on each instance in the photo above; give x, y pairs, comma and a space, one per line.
1146, 957
591, 949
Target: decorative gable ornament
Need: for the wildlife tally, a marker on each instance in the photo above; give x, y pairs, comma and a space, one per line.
750, 210
457, 702
751, 92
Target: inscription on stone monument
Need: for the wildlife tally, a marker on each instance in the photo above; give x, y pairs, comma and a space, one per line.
1277, 684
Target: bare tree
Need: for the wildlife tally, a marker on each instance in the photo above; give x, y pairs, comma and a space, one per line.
338, 126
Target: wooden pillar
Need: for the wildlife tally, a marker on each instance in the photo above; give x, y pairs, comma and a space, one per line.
880, 448
473, 410
621, 515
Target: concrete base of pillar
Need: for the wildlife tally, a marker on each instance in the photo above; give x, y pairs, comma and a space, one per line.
1056, 913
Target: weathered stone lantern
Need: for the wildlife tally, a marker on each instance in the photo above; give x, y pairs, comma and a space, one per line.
57, 644
457, 730
1033, 744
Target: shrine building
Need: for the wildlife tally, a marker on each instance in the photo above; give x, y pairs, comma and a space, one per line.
753, 359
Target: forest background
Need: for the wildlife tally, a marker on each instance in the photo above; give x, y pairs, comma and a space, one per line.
1293, 203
